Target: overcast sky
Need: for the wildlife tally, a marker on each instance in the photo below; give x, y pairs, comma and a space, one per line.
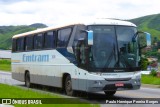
53, 12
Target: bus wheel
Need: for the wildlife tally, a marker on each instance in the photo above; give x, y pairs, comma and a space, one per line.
109, 93
27, 80
68, 86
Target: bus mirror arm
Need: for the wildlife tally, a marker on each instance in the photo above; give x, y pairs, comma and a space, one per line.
82, 31
147, 40
135, 35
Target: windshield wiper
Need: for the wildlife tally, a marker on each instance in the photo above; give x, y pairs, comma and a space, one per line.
109, 58
125, 61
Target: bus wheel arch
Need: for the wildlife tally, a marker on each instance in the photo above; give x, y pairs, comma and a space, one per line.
27, 79
67, 84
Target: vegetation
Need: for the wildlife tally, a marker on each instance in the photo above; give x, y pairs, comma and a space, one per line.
144, 63
149, 79
17, 92
6, 33
153, 73
149, 24
5, 65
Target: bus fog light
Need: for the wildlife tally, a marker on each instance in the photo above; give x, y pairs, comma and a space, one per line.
98, 82
135, 82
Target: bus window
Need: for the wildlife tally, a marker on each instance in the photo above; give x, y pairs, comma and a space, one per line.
13, 45
38, 41
63, 36
49, 40
29, 43
20, 44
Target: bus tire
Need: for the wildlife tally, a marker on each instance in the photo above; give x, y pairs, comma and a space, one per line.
68, 86
27, 80
109, 93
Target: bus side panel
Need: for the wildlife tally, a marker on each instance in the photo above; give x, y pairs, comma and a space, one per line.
44, 74
43, 71
72, 70
47, 72
18, 76
17, 67
82, 79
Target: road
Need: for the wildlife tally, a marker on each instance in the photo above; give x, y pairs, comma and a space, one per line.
5, 77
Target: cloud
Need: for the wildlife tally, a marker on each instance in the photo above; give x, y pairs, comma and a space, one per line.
53, 12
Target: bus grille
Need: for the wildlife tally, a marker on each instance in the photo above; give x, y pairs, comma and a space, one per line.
117, 79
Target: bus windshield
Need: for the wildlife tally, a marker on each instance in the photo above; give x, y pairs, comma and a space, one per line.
113, 47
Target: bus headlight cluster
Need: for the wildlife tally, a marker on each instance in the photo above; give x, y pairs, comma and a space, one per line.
137, 81
137, 75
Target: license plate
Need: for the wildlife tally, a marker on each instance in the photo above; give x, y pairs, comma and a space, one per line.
119, 84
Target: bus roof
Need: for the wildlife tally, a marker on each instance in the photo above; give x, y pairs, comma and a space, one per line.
91, 22
110, 22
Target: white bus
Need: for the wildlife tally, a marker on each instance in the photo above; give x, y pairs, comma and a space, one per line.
101, 55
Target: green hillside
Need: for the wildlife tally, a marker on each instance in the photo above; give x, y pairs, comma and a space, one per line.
149, 24
6, 33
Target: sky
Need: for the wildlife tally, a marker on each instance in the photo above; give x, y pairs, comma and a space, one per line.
54, 12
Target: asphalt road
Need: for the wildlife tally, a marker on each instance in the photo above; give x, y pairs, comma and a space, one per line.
5, 78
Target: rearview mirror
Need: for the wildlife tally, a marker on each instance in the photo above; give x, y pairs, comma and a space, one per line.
90, 37
144, 39
148, 38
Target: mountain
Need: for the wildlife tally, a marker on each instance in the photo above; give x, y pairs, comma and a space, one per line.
38, 25
6, 33
150, 23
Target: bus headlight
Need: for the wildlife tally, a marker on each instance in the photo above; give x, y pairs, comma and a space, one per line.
137, 75
135, 82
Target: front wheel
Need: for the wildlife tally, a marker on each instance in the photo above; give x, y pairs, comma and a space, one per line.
68, 86
109, 93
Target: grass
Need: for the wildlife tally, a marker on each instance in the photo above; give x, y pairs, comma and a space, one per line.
5, 65
148, 79
7, 91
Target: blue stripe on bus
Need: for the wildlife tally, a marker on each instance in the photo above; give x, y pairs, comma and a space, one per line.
68, 55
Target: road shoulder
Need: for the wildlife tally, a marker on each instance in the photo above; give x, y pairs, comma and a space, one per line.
150, 86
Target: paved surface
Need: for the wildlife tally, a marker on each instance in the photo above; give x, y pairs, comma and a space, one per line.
100, 97
6, 78
1, 105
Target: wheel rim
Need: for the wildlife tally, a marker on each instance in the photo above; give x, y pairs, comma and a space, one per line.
68, 86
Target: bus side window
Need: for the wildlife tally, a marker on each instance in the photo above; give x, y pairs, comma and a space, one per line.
63, 37
13, 45
49, 40
20, 44
38, 41
29, 43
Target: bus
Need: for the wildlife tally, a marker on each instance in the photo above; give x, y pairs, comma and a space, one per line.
94, 56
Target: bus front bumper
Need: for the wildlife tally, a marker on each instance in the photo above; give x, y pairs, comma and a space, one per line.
103, 85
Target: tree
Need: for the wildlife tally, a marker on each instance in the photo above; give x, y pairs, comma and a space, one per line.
144, 63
